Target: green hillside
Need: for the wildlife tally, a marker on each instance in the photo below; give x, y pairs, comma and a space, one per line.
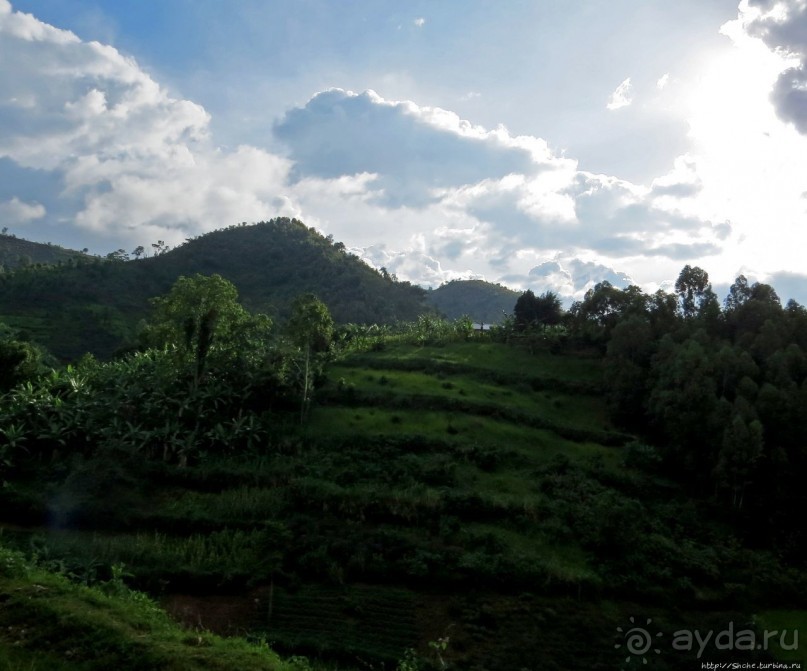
464, 499
95, 305
18, 253
50, 623
481, 301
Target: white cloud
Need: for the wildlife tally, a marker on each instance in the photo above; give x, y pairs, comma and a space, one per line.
621, 97
137, 159
15, 211
419, 22
417, 189
782, 25
747, 164
414, 151
412, 265
567, 276
448, 217
663, 81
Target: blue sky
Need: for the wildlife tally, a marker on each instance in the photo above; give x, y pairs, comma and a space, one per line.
540, 144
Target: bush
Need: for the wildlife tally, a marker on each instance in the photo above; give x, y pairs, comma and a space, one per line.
12, 564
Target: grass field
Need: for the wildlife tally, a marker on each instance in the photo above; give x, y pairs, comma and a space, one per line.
472, 492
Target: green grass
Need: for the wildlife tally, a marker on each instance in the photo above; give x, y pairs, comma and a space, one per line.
563, 408
50, 623
248, 504
430, 488
221, 556
539, 445
497, 358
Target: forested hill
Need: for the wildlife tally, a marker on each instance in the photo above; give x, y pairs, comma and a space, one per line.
16, 252
481, 301
95, 305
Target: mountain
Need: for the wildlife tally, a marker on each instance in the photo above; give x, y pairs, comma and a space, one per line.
90, 304
18, 253
481, 301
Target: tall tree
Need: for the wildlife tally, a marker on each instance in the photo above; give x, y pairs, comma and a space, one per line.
694, 291
627, 363
310, 329
741, 449
739, 293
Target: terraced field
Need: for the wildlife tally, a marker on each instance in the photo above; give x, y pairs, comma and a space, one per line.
470, 501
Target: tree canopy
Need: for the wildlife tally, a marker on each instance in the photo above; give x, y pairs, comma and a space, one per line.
201, 319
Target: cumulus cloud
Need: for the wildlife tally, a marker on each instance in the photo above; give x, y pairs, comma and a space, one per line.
136, 158
412, 265
621, 97
509, 193
663, 81
782, 25
416, 189
419, 22
15, 211
569, 277
414, 151
682, 181
588, 211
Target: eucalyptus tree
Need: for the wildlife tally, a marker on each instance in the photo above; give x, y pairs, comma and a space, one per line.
309, 329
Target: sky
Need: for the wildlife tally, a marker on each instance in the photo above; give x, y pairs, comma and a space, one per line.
539, 144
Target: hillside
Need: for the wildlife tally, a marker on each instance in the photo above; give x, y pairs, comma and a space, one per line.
465, 499
95, 305
481, 301
49, 622
18, 253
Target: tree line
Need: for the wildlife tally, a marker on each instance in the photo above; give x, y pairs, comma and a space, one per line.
719, 389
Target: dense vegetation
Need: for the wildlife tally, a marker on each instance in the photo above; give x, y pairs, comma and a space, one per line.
95, 305
416, 497
483, 301
53, 623
721, 393
18, 253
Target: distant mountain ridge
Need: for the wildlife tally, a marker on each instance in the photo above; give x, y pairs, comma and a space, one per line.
18, 253
481, 301
95, 305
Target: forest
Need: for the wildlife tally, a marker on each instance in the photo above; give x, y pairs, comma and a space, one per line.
300, 490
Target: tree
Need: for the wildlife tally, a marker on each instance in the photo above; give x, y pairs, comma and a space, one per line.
694, 291
310, 329
118, 255
203, 321
602, 307
739, 293
627, 363
740, 451
683, 403
138, 251
531, 310
663, 312
748, 309
159, 247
